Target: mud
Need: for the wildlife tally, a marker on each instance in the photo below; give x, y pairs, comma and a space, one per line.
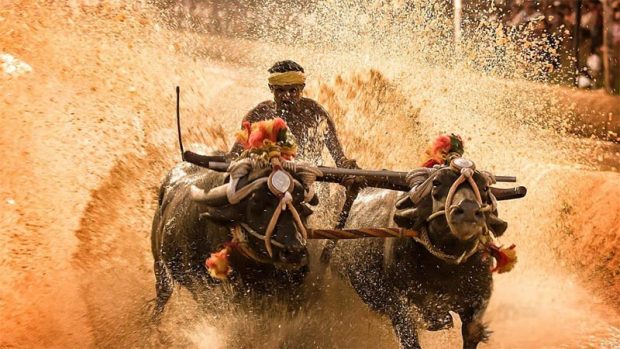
87, 135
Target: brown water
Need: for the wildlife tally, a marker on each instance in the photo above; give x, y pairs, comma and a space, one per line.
87, 135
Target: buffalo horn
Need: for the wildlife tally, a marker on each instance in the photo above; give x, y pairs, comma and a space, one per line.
214, 197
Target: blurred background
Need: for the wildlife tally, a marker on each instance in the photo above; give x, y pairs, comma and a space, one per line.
585, 55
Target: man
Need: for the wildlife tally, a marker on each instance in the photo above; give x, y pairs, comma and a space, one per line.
310, 123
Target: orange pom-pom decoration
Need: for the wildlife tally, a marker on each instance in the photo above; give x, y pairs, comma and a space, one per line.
439, 149
269, 137
253, 136
505, 258
217, 264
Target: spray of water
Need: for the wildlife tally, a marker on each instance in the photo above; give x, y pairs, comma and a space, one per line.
392, 77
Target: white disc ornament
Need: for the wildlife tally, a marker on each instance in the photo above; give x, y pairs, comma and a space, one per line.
280, 182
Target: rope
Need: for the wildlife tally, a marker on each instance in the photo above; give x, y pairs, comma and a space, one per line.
420, 180
306, 173
425, 241
285, 202
361, 233
298, 221
243, 167
239, 169
418, 176
242, 244
272, 223
467, 174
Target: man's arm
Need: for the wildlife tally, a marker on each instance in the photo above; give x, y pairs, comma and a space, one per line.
352, 183
333, 143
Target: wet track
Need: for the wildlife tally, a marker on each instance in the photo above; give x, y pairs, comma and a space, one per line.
87, 135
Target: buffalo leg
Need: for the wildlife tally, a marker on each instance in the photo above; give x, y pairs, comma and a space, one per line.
163, 287
199, 288
386, 303
473, 330
404, 327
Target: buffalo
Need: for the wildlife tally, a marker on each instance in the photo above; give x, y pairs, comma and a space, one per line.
257, 212
416, 282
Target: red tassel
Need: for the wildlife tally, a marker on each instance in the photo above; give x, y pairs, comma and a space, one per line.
441, 145
264, 130
430, 163
505, 258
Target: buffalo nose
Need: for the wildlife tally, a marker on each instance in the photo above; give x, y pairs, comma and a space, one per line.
468, 211
293, 254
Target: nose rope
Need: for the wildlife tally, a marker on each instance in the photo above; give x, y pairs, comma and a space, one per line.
466, 175
240, 242
272, 223
252, 232
285, 202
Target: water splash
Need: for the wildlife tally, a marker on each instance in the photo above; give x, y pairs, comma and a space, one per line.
392, 77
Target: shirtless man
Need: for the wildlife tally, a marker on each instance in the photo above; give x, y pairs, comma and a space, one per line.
307, 120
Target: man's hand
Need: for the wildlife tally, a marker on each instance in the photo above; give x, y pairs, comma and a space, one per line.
351, 182
229, 157
349, 163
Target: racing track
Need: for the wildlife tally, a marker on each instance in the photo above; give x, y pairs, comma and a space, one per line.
86, 138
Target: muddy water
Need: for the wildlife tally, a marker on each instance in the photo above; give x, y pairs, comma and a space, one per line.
88, 133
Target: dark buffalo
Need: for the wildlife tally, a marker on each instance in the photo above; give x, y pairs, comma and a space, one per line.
416, 282
192, 223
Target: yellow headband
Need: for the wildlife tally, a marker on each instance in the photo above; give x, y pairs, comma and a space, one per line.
287, 78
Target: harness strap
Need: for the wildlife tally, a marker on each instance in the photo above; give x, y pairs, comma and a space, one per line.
235, 196
272, 223
242, 245
240, 242
285, 202
424, 240
252, 232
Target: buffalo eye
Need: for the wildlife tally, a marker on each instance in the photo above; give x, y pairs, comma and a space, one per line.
485, 188
436, 191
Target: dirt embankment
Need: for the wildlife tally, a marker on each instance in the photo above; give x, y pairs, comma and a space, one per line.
595, 113
588, 228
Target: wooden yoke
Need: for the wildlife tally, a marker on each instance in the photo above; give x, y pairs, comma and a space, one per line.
384, 179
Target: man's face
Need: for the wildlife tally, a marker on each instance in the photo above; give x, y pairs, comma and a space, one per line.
287, 97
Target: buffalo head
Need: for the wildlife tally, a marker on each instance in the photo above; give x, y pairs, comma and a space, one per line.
269, 222
453, 204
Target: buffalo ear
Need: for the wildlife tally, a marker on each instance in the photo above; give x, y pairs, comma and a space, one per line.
315, 200
225, 214
404, 202
406, 218
497, 225
306, 210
